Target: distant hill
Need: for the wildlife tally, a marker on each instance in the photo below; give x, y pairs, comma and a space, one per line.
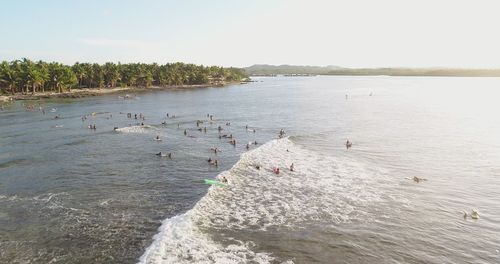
264, 69
419, 72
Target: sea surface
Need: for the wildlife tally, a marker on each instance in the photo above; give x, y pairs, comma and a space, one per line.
70, 194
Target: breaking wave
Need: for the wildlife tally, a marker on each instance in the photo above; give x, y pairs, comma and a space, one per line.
322, 189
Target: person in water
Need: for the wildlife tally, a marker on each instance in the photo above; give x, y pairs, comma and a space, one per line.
209, 160
348, 144
157, 137
158, 154
185, 132
224, 180
248, 146
292, 168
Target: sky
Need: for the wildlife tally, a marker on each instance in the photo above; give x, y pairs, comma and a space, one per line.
350, 33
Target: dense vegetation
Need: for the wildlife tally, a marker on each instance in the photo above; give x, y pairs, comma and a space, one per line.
25, 76
264, 69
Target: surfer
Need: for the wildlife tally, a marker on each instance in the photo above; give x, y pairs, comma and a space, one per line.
417, 179
158, 154
348, 144
248, 146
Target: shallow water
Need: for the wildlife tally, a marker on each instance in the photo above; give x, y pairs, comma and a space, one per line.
69, 194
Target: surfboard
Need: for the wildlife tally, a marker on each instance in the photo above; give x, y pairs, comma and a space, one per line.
213, 182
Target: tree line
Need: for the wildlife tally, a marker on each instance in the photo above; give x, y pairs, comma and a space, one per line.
26, 76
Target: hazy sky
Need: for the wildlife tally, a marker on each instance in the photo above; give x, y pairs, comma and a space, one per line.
240, 33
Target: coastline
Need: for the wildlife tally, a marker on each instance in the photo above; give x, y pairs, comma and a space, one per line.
88, 92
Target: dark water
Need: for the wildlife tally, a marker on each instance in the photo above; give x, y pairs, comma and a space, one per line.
69, 194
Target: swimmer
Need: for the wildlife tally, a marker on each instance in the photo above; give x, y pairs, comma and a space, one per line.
474, 215
417, 179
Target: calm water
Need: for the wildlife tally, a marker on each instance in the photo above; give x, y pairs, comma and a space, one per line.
69, 194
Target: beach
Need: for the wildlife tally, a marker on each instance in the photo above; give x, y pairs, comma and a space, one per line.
86, 92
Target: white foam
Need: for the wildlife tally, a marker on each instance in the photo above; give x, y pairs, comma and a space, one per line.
134, 129
181, 241
321, 190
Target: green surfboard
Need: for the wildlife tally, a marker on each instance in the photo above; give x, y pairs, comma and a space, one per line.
213, 182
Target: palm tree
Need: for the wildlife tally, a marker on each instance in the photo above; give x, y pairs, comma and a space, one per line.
8, 76
111, 74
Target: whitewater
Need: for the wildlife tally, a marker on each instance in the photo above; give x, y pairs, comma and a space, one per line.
321, 190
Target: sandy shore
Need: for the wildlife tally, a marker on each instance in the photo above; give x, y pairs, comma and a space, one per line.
78, 93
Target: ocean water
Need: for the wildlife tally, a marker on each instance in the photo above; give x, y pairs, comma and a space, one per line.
69, 194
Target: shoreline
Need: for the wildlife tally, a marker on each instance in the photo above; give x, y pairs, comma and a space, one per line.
88, 92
